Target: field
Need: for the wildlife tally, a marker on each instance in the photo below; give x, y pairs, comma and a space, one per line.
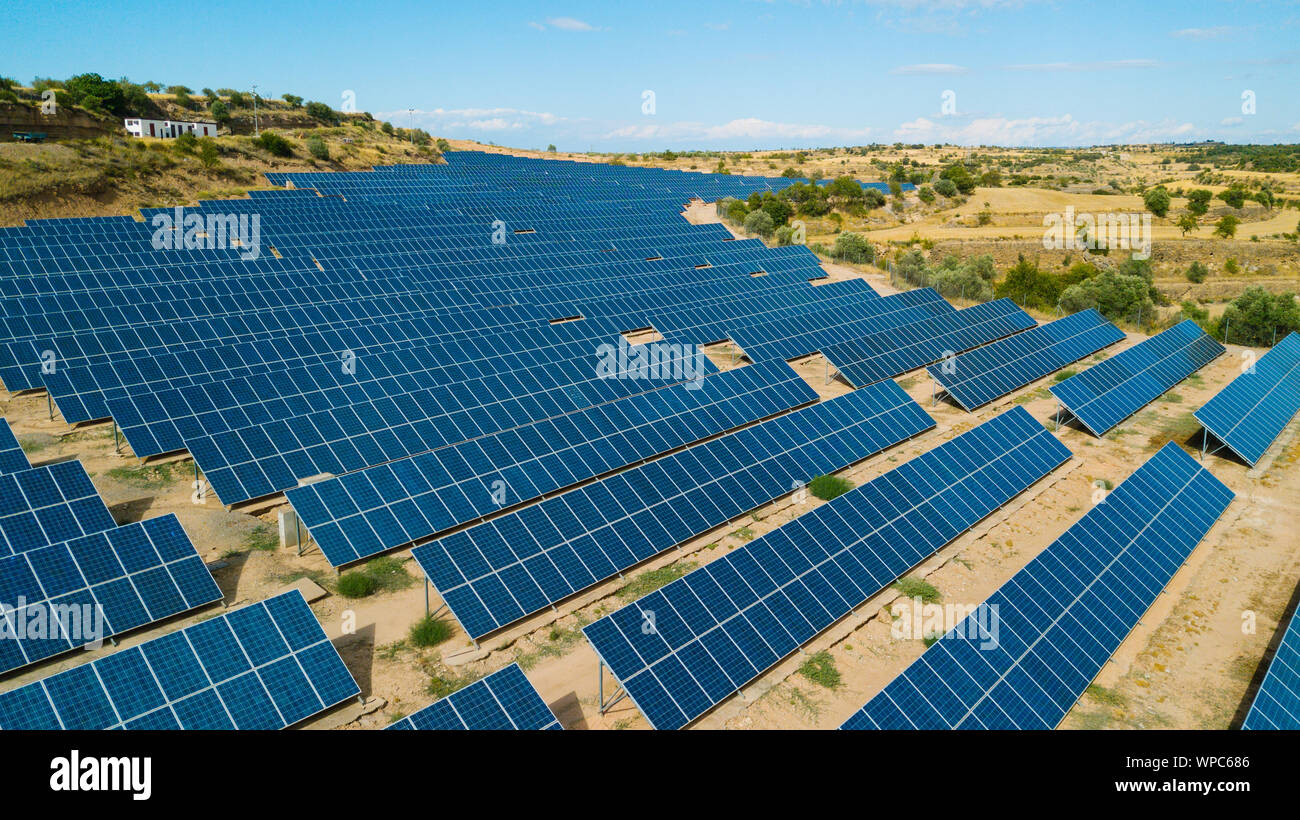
1189, 664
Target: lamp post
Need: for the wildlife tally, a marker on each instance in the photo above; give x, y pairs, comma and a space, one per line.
256, 127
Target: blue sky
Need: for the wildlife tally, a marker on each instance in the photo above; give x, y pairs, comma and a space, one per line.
732, 75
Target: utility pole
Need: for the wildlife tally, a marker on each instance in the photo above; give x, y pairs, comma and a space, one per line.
411, 112
256, 127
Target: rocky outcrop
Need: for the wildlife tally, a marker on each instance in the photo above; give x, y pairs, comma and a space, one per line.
66, 123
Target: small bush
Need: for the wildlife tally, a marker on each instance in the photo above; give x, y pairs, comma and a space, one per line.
854, 247
827, 487
356, 584
1197, 272
917, 588
820, 669
430, 631
275, 144
317, 148
759, 222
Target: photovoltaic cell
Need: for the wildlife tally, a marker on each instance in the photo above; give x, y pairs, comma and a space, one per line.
1110, 391
1025, 656
504, 700
978, 377
47, 505
1277, 703
1254, 408
509, 567
268, 665
890, 353
682, 649
57, 598
390, 505
12, 458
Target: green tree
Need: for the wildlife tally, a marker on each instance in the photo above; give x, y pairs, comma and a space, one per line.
946, 188
93, 92
1235, 196
1157, 201
1226, 227
854, 247
293, 100
926, 194
275, 144
1114, 295
760, 223
1198, 201
322, 112
1254, 316
737, 211
778, 209
1197, 272
960, 177
220, 112
208, 152
1025, 284
1187, 223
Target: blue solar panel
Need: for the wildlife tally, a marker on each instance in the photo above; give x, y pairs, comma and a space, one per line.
504, 700
1109, 392
57, 598
268, 665
47, 505
390, 505
682, 649
978, 377
512, 566
1023, 658
1277, 703
889, 353
1251, 411
12, 458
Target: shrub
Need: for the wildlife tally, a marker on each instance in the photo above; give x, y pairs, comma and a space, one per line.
945, 188
917, 588
1113, 295
1197, 272
1227, 226
737, 211
317, 148
1254, 316
1235, 196
1198, 201
926, 194
323, 112
759, 222
820, 669
854, 247
1029, 286
827, 487
356, 584
961, 282
293, 100
275, 144
1157, 201
238, 100
220, 112
186, 143
430, 631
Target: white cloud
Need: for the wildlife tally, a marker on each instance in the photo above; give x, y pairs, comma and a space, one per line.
745, 128
929, 68
1231, 121
1210, 33
1040, 131
718, 26
477, 119
1103, 65
570, 24
536, 25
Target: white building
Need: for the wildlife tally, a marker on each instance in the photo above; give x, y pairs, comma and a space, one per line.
169, 129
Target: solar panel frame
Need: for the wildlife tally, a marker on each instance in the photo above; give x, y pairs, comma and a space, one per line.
1276, 704
1108, 568
249, 668
1250, 413
12, 457
504, 700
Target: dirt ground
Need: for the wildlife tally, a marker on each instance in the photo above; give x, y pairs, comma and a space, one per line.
1189, 664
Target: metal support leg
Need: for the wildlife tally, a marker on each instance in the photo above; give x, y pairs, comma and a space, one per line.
426, 596
49, 400
116, 447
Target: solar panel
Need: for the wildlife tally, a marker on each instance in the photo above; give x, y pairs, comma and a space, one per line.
12, 457
1252, 410
1277, 702
1024, 657
267, 665
975, 378
57, 598
888, 353
390, 505
684, 648
509, 567
1110, 391
501, 701
47, 505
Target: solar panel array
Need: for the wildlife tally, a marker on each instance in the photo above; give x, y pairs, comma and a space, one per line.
504, 700
1277, 702
504, 569
46, 505
267, 665
1252, 410
888, 353
57, 598
12, 457
390, 505
975, 378
1025, 656
682, 649
1109, 392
